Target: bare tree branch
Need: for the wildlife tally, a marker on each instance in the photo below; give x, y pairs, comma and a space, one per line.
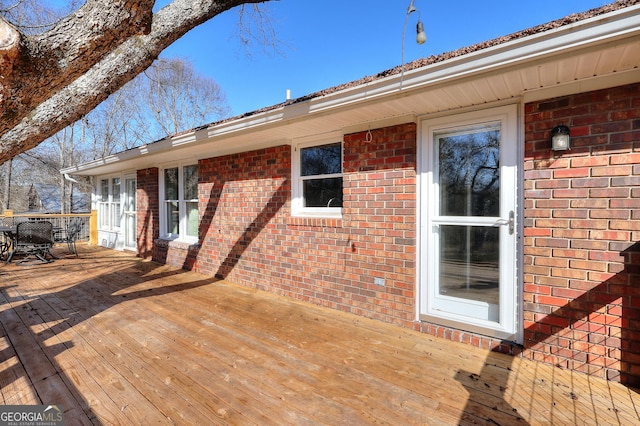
50, 80
255, 24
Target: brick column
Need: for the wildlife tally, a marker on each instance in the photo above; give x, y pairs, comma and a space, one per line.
147, 204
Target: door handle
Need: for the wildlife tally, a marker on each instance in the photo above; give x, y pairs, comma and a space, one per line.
509, 222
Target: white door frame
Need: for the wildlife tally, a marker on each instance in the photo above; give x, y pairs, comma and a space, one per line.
129, 214
508, 325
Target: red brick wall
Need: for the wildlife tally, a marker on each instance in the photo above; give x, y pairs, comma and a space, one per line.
248, 236
379, 219
147, 199
244, 201
582, 234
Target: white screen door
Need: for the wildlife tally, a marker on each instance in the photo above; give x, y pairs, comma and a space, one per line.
468, 221
130, 213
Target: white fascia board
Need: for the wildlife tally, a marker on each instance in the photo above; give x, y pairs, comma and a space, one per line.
246, 124
121, 157
137, 154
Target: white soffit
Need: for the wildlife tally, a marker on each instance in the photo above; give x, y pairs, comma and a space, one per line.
595, 53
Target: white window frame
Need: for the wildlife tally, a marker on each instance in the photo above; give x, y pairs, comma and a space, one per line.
297, 200
103, 203
182, 234
116, 211
106, 203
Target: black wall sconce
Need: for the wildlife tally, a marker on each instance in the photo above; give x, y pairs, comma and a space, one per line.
560, 138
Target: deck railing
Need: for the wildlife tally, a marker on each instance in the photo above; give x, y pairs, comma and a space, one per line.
89, 227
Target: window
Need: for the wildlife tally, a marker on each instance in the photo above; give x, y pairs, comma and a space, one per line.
190, 185
103, 203
115, 202
180, 201
318, 173
171, 202
109, 208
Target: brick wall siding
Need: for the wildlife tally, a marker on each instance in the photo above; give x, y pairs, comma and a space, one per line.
248, 236
379, 219
582, 234
147, 206
243, 203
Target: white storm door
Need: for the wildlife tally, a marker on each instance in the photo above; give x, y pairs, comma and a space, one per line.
468, 237
130, 213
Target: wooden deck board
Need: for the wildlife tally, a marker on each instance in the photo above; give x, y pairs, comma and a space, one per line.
129, 357
115, 339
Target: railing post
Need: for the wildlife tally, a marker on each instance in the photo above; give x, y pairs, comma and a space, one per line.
93, 228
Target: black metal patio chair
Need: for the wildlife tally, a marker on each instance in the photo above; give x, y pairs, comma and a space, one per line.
34, 240
72, 233
6, 238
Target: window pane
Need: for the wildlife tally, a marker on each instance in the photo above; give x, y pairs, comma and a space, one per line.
130, 232
104, 190
115, 214
321, 160
131, 195
104, 215
469, 262
171, 184
115, 189
322, 192
190, 182
470, 173
192, 218
173, 217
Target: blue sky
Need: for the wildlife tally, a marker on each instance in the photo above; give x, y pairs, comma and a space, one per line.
330, 42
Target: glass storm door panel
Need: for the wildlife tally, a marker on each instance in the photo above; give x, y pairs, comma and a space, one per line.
468, 267
130, 213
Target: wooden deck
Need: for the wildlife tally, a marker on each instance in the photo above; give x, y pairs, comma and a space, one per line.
115, 340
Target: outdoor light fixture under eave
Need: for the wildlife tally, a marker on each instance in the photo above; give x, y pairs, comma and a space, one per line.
421, 36
560, 138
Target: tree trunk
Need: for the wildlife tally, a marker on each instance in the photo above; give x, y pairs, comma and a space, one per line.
51, 80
